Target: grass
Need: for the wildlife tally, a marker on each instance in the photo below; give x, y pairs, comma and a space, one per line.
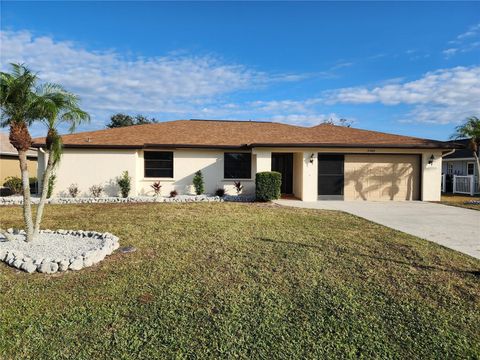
459, 200
238, 280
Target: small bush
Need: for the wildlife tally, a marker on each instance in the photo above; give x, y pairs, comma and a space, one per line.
96, 190
198, 183
268, 185
73, 190
51, 185
13, 183
156, 188
173, 193
238, 187
220, 192
124, 182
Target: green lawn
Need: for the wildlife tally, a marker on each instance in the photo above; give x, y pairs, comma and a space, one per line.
240, 280
460, 200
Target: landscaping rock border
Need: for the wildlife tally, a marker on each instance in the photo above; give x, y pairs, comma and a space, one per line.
107, 244
18, 200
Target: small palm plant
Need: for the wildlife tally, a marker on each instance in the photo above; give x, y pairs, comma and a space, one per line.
238, 187
157, 187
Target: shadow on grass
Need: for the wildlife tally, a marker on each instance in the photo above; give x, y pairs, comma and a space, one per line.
475, 273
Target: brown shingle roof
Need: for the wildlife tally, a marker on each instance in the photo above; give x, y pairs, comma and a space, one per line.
236, 134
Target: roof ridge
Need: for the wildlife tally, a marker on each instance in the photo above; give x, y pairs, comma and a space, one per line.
232, 120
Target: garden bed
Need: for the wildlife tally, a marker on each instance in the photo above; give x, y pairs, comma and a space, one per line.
54, 251
18, 200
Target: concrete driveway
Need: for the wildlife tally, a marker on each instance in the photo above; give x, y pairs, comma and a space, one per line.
453, 227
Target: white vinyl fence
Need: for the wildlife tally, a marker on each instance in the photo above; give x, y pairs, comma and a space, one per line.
465, 184
444, 183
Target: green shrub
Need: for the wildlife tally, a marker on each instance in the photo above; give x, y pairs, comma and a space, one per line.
51, 185
13, 183
198, 183
268, 185
124, 182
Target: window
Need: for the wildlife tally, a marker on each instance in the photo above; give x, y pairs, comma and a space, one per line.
158, 164
237, 166
470, 168
450, 168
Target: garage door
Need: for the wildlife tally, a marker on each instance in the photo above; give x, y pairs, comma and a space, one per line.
382, 177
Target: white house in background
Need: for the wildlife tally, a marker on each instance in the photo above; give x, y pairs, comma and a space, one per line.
316, 163
461, 162
460, 170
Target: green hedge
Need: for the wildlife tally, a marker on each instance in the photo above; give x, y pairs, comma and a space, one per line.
268, 185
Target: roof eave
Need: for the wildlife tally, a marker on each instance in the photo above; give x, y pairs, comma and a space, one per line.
336, 145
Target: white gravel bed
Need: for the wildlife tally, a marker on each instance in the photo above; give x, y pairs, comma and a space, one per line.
59, 250
18, 200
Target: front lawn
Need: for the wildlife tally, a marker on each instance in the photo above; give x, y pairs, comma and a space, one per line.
460, 200
225, 280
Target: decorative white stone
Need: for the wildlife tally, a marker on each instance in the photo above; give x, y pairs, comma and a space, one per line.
57, 250
63, 265
77, 264
18, 200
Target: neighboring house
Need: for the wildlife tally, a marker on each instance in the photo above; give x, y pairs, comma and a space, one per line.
319, 162
461, 162
9, 165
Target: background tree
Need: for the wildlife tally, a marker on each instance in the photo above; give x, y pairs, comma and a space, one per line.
339, 122
470, 130
122, 120
62, 107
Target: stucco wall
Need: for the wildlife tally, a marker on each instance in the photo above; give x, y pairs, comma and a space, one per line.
86, 167
185, 164
9, 166
298, 174
431, 174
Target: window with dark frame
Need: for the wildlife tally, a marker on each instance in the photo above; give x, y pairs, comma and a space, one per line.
470, 169
237, 165
158, 164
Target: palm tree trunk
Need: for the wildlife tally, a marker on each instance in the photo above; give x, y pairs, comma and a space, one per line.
43, 197
27, 207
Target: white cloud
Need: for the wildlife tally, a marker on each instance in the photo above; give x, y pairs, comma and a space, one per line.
307, 119
465, 42
109, 82
442, 96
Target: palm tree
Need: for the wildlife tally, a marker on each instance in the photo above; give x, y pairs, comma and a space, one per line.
61, 107
470, 130
20, 106
22, 102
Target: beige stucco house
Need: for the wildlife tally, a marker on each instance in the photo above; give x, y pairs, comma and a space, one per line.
320, 162
9, 165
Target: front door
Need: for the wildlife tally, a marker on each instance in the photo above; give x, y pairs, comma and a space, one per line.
283, 163
330, 177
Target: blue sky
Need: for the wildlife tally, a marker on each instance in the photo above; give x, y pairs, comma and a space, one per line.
408, 68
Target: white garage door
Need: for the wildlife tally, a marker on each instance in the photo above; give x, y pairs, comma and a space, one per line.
382, 177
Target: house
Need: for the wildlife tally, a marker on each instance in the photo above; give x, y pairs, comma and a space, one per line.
461, 162
9, 165
319, 162
461, 165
